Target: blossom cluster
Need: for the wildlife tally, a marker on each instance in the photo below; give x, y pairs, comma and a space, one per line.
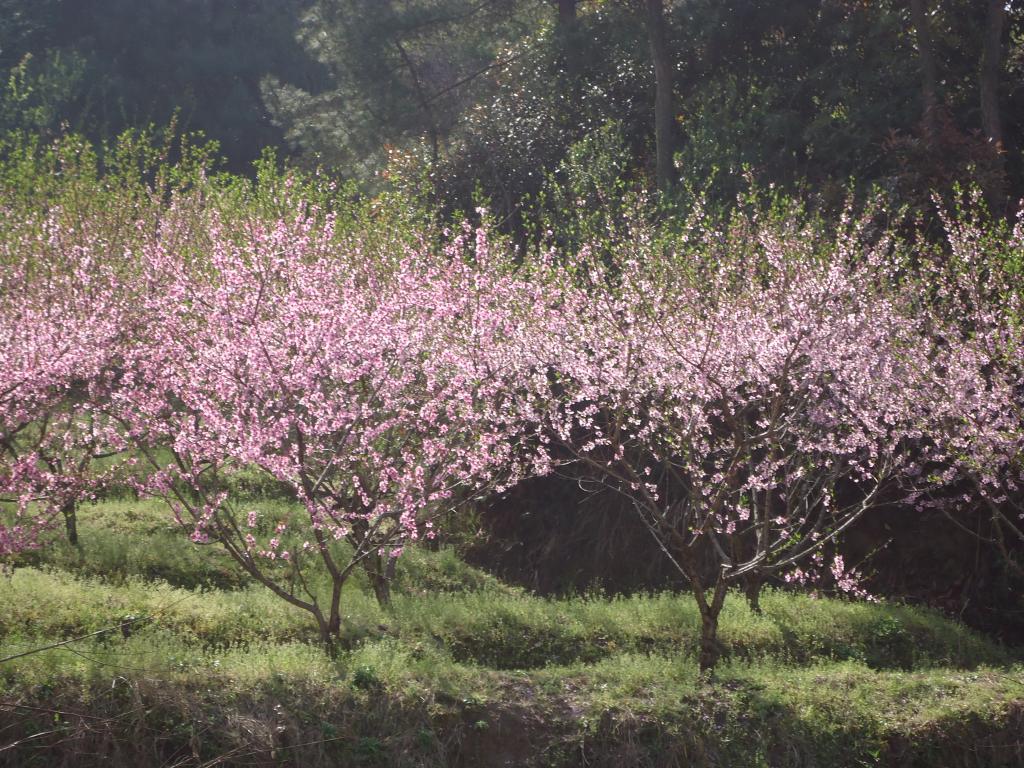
751, 392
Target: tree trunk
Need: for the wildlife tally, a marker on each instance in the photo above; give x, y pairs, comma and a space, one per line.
567, 33
428, 110
70, 511
710, 648
330, 631
566, 13
752, 590
381, 575
664, 108
929, 71
991, 59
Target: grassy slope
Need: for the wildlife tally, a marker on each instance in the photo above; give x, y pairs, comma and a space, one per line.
465, 670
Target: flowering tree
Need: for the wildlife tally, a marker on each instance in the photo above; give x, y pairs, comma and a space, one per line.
354, 382
751, 396
751, 402
975, 452
61, 331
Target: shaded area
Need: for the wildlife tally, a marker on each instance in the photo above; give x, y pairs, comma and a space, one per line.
555, 537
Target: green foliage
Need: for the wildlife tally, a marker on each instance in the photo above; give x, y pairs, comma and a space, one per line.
399, 71
554, 89
590, 199
37, 91
801, 92
491, 96
115, 183
120, 183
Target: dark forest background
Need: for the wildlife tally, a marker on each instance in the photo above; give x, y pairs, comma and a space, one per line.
490, 97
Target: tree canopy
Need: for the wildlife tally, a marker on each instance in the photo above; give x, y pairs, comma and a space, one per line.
490, 95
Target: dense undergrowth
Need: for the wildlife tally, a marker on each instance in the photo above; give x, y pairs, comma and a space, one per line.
203, 668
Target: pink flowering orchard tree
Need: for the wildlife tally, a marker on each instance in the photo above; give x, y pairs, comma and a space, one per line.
975, 456
750, 402
976, 459
62, 328
751, 397
355, 383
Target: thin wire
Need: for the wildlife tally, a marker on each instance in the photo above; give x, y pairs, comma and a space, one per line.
120, 666
118, 628
68, 713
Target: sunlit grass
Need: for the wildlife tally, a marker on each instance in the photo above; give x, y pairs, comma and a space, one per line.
840, 679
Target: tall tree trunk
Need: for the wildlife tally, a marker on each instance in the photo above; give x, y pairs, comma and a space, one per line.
664, 108
988, 86
929, 71
566, 13
428, 108
567, 32
991, 58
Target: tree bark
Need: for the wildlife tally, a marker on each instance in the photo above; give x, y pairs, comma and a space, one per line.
710, 648
330, 630
752, 589
70, 511
929, 70
425, 103
664, 107
566, 13
991, 59
566, 31
381, 575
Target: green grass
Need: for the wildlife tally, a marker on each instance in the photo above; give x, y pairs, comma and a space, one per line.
121, 539
464, 670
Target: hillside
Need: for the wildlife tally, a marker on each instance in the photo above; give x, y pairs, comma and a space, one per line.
206, 669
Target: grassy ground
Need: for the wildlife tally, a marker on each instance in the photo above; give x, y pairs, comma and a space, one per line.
464, 670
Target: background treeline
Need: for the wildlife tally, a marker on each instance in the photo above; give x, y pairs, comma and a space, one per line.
489, 97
